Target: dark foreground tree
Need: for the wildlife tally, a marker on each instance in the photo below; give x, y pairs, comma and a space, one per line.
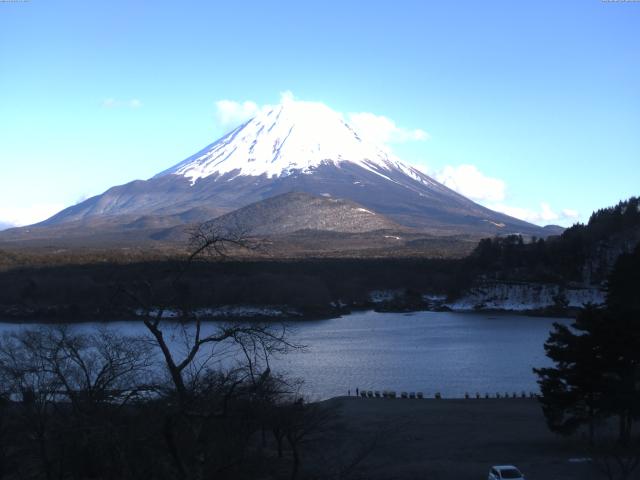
66, 401
623, 342
92, 405
189, 400
219, 374
220, 387
597, 360
596, 377
572, 391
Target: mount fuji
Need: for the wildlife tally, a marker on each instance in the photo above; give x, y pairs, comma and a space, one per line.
293, 147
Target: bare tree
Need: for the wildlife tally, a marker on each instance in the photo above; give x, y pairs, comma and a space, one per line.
192, 399
65, 388
92, 369
34, 389
202, 388
300, 422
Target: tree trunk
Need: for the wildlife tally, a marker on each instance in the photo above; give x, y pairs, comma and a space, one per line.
279, 437
174, 371
200, 449
624, 429
296, 457
171, 445
591, 425
45, 458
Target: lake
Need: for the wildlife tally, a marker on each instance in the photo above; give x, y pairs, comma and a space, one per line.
447, 352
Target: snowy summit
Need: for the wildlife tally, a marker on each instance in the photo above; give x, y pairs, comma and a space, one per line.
294, 136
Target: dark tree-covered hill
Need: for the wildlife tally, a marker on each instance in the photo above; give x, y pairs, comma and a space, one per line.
584, 253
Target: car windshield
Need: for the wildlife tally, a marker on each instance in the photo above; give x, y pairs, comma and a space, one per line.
510, 473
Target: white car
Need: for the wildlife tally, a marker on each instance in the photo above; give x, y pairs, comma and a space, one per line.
500, 472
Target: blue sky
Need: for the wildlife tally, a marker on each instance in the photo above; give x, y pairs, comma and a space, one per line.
530, 107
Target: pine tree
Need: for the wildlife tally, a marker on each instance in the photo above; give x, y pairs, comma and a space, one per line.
572, 391
623, 353
597, 360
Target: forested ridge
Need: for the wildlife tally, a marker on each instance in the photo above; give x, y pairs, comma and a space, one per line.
85, 287
608, 233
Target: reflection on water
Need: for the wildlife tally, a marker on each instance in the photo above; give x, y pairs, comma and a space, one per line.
445, 352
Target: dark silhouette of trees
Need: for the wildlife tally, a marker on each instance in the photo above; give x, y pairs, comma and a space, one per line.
205, 399
623, 359
572, 391
65, 395
189, 400
557, 259
596, 377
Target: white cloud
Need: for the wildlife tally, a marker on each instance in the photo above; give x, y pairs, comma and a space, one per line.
109, 102
232, 114
383, 130
287, 96
472, 183
115, 103
543, 216
492, 192
570, 214
376, 128
20, 216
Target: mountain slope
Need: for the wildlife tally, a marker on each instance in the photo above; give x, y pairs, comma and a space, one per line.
296, 211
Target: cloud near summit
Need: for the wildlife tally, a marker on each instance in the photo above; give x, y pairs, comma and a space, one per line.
375, 128
491, 192
472, 183
544, 215
230, 114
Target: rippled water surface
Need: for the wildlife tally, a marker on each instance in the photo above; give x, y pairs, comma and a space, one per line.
451, 353
445, 352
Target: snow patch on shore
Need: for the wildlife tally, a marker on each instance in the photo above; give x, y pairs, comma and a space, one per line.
526, 296
382, 296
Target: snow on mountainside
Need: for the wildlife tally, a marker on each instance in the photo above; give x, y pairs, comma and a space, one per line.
294, 136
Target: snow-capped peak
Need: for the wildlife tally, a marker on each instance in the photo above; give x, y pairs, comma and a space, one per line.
294, 136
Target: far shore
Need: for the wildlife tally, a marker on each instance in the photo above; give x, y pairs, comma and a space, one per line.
62, 316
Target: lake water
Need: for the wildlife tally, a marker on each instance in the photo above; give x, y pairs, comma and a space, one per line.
446, 352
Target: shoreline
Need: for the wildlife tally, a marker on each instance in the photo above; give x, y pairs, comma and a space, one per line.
289, 316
